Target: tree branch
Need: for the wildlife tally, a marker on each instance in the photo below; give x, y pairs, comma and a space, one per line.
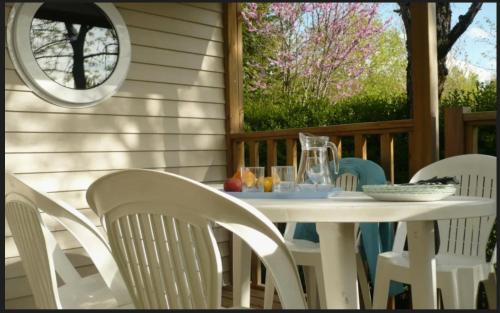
460, 27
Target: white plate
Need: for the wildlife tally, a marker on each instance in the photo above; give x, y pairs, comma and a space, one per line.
409, 192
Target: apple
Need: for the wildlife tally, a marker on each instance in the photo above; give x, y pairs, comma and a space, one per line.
232, 184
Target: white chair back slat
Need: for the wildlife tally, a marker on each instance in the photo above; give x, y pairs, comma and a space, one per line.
34, 249
476, 175
132, 258
169, 275
179, 262
144, 264
181, 202
149, 241
191, 262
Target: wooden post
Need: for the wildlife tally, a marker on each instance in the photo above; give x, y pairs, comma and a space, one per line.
238, 156
387, 155
360, 150
338, 142
471, 136
425, 138
454, 133
253, 150
291, 152
233, 79
272, 155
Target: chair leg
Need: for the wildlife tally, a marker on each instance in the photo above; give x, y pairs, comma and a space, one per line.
447, 282
467, 288
269, 291
321, 286
490, 286
311, 287
381, 287
363, 283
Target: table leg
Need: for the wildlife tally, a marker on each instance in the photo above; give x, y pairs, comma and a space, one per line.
241, 273
339, 265
422, 264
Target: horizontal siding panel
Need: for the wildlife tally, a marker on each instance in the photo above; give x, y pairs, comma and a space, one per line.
146, 90
67, 142
150, 55
159, 56
28, 101
212, 6
160, 74
63, 238
84, 123
137, 89
20, 303
54, 182
56, 162
177, 11
163, 40
169, 25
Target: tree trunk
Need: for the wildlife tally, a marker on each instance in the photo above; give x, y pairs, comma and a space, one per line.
446, 38
77, 40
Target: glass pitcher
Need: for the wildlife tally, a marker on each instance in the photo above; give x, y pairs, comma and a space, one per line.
314, 168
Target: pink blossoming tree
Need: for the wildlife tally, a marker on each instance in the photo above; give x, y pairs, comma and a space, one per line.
320, 49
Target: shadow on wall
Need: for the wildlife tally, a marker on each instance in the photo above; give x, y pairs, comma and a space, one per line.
168, 115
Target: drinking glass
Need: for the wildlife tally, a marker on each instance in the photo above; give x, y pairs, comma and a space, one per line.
252, 178
283, 178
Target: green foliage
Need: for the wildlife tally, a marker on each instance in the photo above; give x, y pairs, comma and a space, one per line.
457, 79
385, 74
481, 98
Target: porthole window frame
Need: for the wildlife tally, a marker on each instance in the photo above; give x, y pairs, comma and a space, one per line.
19, 47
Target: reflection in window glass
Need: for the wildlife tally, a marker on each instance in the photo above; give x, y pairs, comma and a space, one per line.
74, 44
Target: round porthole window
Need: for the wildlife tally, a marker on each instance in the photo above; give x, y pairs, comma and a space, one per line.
70, 54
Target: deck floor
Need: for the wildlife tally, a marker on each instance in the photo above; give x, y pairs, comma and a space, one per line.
256, 298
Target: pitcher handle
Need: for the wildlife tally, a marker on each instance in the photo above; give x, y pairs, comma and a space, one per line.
335, 154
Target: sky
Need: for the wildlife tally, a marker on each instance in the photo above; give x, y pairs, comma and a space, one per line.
475, 50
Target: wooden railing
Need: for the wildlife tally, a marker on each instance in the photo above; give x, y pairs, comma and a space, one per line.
461, 129
386, 131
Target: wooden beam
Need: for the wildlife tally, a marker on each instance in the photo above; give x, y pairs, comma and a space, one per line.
425, 139
291, 152
471, 137
233, 59
366, 128
454, 135
387, 155
360, 147
272, 155
253, 150
338, 142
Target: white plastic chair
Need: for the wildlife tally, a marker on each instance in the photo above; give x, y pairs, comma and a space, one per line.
42, 257
160, 229
461, 259
307, 254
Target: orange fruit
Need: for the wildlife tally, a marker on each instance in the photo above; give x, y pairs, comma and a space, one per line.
249, 179
268, 184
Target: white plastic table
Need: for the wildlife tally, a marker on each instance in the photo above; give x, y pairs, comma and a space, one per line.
335, 219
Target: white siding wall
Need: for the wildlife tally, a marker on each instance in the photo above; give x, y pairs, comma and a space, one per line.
168, 115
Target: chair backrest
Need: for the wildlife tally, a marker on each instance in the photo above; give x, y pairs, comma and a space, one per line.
160, 230
40, 253
476, 174
346, 182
